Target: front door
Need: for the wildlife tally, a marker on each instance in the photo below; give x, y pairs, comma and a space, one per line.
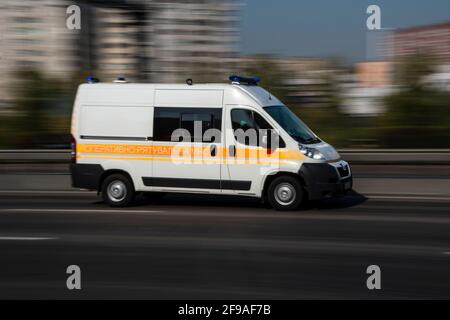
247, 157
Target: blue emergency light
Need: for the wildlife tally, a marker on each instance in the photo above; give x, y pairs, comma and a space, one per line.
244, 80
91, 79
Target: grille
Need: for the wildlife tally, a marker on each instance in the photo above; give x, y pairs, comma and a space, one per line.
344, 171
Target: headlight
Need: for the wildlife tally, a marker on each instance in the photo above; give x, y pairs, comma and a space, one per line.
311, 152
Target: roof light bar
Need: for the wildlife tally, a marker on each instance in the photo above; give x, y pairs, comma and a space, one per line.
91, 79
244, 80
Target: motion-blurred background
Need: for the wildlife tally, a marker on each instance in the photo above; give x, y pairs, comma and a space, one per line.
382, 97
355, 88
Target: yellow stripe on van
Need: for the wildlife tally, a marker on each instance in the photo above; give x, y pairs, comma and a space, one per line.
202, 152
187, 160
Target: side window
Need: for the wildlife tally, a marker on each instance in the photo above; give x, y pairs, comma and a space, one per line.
244, 127
242, 120
261, 123
167, 120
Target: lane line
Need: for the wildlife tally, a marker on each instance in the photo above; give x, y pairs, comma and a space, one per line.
50, 192
409, 197
369, 196
274, 216
79, 210
27, 238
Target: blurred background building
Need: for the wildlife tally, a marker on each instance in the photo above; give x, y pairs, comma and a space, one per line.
431, 40
34, 36
145, 40
404, 82
194, 39
158, 40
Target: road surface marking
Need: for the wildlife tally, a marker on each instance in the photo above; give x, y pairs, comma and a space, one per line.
411, 197
369, 196
80, 210
83, 192
275, 216
27, 238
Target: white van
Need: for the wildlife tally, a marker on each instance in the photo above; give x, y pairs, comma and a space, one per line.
199, 138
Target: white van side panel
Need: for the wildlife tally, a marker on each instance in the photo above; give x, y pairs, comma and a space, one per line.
188, 98
116, 121
118, 95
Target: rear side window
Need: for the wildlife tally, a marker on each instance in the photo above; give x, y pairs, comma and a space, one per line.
167, 120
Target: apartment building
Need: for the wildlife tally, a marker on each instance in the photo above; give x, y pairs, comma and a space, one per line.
432, 40
33, 34
160, 40
144, 40
194, 39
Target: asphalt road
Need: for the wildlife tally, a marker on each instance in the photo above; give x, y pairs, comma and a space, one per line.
189, 247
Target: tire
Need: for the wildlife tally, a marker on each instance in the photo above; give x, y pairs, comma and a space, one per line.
285, 193
118, 190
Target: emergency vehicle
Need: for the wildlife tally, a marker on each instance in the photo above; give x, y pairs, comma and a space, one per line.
129, 138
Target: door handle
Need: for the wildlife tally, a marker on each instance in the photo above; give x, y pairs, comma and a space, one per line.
213, 150
232, 150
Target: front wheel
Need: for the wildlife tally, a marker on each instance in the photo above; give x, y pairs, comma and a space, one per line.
117, 190
285, 193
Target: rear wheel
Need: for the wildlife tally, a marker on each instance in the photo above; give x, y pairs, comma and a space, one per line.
117, 190
285, 193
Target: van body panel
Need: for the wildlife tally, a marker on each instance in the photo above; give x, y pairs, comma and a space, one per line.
117, 94
188, 98
116, 121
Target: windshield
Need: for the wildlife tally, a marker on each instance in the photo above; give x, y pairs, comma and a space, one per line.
292, 124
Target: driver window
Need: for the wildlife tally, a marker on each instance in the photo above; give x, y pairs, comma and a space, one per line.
242, 121
244, 127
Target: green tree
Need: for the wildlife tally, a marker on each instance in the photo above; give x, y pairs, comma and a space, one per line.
40, 105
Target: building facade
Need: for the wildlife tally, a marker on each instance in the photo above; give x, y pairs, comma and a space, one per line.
431, 40
33, 35
144, 40
161, 40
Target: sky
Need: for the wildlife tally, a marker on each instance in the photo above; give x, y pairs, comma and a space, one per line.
327, 28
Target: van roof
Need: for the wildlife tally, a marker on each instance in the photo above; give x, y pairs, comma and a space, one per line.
256, 93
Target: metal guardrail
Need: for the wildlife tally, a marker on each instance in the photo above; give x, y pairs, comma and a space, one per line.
34, 156
396, 156
355, 156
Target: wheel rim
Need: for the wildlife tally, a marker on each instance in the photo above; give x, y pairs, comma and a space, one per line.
285, 194
117, 191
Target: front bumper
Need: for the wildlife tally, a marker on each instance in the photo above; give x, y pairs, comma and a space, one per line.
326, 180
